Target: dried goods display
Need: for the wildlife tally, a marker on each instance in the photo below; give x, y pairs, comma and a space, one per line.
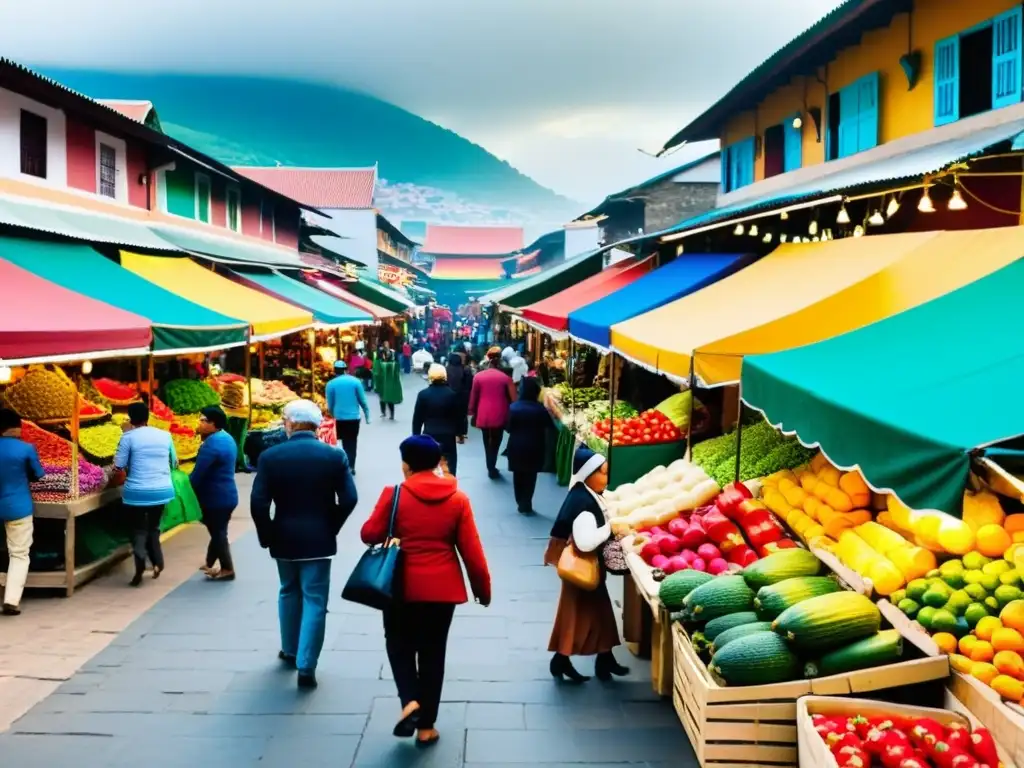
55, 457
234, 395
272, 394
48, 396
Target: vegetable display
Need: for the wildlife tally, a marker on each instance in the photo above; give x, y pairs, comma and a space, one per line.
648, 428
272, 394
115, 392
581, 396
100, 441
185, 396
598, 410
677, 409
763, 451
48, 396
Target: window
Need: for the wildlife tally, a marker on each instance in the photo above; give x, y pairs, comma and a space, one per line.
33, 144
108, 171
202, 198
853, 118
783, 147
234, 205
979, 69
738, 165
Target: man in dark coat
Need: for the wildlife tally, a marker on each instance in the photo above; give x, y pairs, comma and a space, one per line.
440, 413
528, 423
311, 488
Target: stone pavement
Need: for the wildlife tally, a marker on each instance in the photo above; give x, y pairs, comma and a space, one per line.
195, 680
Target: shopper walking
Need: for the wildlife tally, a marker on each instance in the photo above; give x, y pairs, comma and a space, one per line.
311, 488
346, 401
19, 466
460, 378
584, 620
434, 523
406, 357
489, 399
213, 480
528, 424
439, 413
146, 455
388, 382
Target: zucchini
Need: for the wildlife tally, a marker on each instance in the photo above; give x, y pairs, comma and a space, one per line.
715, 627
772, 601
781, 565
884, 648
758, 659
678, 585
737, 632
828, 621
718, 597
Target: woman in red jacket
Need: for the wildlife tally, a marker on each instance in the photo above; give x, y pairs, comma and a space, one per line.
435, 526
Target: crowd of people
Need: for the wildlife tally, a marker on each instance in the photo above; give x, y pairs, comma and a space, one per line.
303, 493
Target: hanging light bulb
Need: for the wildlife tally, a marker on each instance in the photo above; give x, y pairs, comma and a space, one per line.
815, 239
87, 367
957, 202
753, 230
843, 217
784, 215
679, 250
767, 237
798, 123
812, 228
858, 231
893, 207
876, 219
5, 374
926, 205
783, 238
739, 230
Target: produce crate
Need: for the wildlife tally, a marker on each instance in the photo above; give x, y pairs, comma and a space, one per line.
1005, 721
908, 628
756, 725
812, 749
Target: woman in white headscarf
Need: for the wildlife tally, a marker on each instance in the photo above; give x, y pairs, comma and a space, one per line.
584, 621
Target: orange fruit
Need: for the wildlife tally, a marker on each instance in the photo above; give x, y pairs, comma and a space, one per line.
1005, 639
1009, 663
986, 627
982, 651
1012, 615
1014, 523
1008, 687
992, 540
945, 641
960, 663
966, 643
984, 671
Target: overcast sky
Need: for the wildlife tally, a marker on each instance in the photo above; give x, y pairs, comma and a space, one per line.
567, 91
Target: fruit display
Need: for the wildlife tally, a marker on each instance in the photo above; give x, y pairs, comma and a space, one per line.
51, 448
158, 409
47, 396
899, 741
100, 441
114, 392
234, 395
185, 396
648, 428
677, 409
659, 497
580, 396
56, 482
272, 394
763, 451
262, 418
186, 443
600, 410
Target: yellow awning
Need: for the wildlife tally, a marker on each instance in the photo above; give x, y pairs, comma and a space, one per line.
268, 316
801, 294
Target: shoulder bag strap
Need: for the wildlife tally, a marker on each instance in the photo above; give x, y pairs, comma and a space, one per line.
394, 512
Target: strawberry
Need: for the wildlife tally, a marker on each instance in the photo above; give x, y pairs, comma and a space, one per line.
946, 756
848, 739
852, 757
861, 724
894, 757
983, 747
925, 732
914, 762
959, 736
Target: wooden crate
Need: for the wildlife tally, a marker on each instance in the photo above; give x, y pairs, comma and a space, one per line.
756, 725
656, 623
1005, 721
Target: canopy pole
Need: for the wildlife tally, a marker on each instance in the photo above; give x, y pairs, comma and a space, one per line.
248, 375
75, 424
693, 400
739, 428
260, 347
611, 417
152, 378
138, 374
568, 378
337, 343
312, 363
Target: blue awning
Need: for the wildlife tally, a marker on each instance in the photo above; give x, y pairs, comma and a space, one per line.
687, 274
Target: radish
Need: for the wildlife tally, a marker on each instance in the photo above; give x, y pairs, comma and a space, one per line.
660, 561
688, 555
649, 551
717, 566
698, 565
677, 563
693, 537
669, 545
677, 527
708, 551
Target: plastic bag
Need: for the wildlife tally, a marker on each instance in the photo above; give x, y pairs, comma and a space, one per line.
185, 506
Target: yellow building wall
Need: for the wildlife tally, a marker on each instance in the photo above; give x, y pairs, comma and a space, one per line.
901, 112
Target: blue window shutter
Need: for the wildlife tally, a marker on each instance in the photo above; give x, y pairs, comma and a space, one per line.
867, 112
746, 149
726, 151
947, 80
793, 153
849, 122
1006, 58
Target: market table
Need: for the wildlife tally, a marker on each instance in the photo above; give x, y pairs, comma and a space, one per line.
646, 624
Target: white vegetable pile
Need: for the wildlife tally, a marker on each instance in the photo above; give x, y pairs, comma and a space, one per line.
660, 496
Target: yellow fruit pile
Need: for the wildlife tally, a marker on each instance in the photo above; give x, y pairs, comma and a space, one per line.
42, 395
993, 653
937, 531
100, 441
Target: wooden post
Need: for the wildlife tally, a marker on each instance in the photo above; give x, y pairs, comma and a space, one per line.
76, 405
693, 403
138, 374
260, 348
739, 430
248, 374
312, 362
152, 380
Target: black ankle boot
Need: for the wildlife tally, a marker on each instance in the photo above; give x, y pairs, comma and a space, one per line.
606, 666
561, 669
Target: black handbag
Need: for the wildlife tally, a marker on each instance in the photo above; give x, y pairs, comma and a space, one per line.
372, 580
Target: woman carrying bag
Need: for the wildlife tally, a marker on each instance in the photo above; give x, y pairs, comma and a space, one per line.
432, 525
584, 620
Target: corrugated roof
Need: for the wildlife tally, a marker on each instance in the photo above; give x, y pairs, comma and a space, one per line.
136, 110
472, 241
350, 188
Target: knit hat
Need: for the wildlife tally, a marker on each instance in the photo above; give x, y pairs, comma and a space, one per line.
421, 452
303, 412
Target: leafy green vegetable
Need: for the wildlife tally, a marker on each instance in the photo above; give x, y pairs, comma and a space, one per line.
763, 451
602, 409
185, 396
581, 396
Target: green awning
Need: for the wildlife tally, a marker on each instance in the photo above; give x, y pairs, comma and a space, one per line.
179, 326
326, 309
226, 249
378, 294
529, 290
907, 399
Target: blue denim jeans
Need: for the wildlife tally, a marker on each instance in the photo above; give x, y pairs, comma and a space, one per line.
302, 609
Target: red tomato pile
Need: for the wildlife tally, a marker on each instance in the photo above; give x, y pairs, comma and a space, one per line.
649, 428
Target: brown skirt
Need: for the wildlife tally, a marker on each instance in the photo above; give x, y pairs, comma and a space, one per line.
584, 621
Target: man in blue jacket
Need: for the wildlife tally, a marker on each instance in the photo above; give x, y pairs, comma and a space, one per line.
19, 466
346, 397
311, 488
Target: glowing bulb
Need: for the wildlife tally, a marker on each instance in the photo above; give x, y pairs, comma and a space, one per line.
783, 238
784, 215
957, 202
739, 230
894, 205
843, 217
5, 374
812, 228
679, 250
798, 123
753, 230
876, 219
926, 205
858, 231
815, 239
87, 367
767, 237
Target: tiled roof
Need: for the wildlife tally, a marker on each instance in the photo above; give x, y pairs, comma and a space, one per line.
136, 110
351, 188
472, 241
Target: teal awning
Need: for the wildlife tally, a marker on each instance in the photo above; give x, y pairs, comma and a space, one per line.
382, 296
179, 326
326, 309
227, 249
